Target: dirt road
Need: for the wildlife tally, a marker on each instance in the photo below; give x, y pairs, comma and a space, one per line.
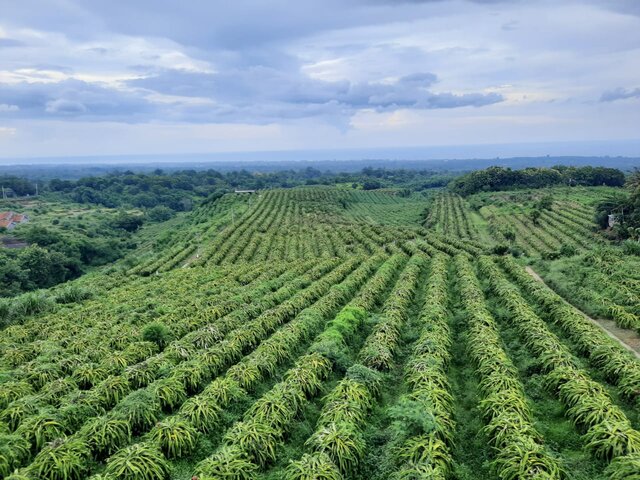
629, 339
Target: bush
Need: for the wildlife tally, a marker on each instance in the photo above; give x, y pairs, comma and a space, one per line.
158, 333
159, 213
500, 249
62, 459
631, 247
140, 408
568, 250
140, 461
13, 451
175, 436
72, 293
106, 435
202, 411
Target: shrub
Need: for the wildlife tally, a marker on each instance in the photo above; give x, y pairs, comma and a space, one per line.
257, 439
72, 293
202, 411
13, 451
11, 391
40, 429
175, 436
342, 444
230, 463
62, 459
158, 333
631, 247
568, 250
111, 390
624, 468
105, 435
140, 408
317, 466
170, 391
140, 461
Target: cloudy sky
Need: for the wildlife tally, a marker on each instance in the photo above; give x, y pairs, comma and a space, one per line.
109, 77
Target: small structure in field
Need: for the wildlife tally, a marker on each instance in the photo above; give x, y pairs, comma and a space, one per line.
245, 191
611, 220
11, 220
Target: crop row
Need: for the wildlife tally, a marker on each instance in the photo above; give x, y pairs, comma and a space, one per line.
61, 380
603, 353
337, 445
608, 434
170, 385
428, 454
519, 451
175, 436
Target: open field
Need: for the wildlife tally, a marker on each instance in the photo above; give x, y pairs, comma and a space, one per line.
326, 333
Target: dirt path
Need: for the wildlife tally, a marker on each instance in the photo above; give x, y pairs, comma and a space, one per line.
629, 339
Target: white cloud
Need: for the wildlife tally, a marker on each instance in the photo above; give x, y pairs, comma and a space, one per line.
7, 131
5, 107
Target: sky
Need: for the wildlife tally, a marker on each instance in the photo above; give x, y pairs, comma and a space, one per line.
122, 77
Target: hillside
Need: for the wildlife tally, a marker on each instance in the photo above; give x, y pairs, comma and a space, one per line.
338, 333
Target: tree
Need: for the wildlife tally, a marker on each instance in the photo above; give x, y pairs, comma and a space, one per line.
545, 203
128, 222
371, 185
535, 216
159, 213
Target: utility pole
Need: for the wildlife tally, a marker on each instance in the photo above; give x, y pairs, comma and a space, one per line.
36, 189
4, 195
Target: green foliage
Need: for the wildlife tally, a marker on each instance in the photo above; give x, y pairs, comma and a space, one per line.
72, 293
625, 468
106, 435
141, 409
175, 436
257, 439
41, 428
160, 213
341, 443
111, 390
14, 450
139, 461
409, 418
158, 333
202, 411
62, 459
170, 392
229, 463
500, 178
317, 466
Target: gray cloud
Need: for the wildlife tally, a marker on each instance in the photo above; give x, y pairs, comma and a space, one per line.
620, 94
269, 93
74, 99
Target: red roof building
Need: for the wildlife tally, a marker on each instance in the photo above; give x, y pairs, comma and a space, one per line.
11, 220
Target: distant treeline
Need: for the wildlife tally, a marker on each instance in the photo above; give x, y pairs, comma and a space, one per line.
178, 190
500, 178
13, 185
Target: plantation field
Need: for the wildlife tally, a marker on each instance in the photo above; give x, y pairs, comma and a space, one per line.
333, 333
